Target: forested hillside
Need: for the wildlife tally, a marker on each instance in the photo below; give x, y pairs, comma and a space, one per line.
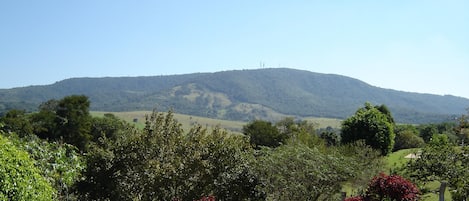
241, 95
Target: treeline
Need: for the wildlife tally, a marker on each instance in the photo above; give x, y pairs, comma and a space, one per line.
62, 152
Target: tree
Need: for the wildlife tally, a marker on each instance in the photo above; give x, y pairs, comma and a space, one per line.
263, 133
407, 137
371, 125
463, 129
17, 121
107, 127
66, 120
427, 131
19, 178
43, 122
297, 171
301, 173
73, 120
331, 138
440, 161
161, 162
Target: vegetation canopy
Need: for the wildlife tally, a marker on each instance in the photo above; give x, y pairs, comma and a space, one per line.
374, 124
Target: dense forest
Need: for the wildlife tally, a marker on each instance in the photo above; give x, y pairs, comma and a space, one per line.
61, 152
244, 95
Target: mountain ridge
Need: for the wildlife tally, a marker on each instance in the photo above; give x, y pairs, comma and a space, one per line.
242, 95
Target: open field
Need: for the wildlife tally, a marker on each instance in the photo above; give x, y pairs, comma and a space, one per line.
397, 159
188, 121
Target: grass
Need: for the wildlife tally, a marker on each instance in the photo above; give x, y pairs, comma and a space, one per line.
325, 122
397, 160
188, 121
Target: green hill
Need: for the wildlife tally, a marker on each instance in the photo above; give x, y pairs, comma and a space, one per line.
241, 95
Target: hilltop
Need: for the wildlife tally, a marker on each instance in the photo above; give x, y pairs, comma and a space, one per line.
241, 95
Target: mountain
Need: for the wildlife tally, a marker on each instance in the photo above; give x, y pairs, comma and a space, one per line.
242, 95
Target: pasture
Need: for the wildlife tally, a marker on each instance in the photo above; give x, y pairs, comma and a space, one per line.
188, 121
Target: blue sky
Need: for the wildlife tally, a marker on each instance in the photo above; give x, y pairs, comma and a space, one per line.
418, 46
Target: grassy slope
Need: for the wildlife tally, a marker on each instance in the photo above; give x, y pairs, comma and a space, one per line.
188, 121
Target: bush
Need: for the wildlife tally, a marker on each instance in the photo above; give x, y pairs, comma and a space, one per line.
392, 187
20, 179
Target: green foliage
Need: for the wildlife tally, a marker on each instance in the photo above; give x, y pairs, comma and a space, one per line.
163, 163
365, 161
371, 125
66, 120
263, 133
440, 161
19, 178
330, 137
273, 91
16, 121
73, 119
407, 137
462, 129
106, 127
427, 131
61, 164
43, 122
300, 172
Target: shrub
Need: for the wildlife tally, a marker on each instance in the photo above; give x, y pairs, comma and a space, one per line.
393, 187
19, 178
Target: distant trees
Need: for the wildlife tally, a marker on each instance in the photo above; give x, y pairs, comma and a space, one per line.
67, 119
374, 124
463, 128
17, 121
264, 133
407, 136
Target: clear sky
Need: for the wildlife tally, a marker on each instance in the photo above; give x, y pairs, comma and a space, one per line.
418, 46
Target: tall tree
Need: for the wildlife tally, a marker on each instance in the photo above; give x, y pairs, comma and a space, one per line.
263, 133
43, 122
74, 120
372, 125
